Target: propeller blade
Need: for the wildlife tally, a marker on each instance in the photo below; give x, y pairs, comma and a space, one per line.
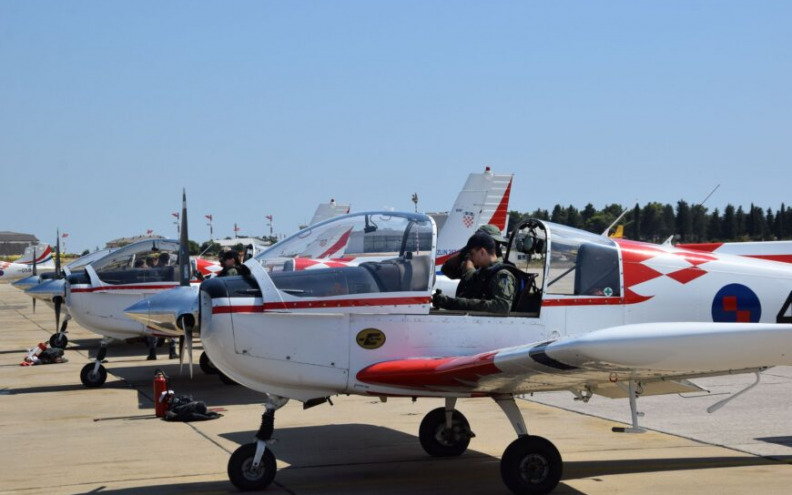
35, 268
57, 254
34, 304
186, 338
181, 354
58, 301
189, 340
184, 251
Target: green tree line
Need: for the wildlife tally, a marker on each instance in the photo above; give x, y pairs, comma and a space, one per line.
655, 222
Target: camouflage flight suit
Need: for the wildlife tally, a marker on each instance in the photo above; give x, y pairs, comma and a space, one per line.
489, 289
470, 283
228, 273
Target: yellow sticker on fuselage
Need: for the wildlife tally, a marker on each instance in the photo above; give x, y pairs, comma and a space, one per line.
370, 338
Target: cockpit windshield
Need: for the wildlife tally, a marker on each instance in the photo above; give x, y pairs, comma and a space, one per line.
375, 235
86, 260
355, 254
582, 263
141, 262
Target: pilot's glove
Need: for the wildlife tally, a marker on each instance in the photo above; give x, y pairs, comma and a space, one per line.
439, 300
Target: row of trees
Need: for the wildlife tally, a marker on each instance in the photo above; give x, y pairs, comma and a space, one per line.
655, 222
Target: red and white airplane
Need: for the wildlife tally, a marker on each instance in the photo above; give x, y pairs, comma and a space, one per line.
97, 295
592, 315
39, 255
484, 199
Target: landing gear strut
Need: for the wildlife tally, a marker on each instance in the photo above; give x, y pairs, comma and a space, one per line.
445, 432
530, 465
253, 466
59, 339
94, 375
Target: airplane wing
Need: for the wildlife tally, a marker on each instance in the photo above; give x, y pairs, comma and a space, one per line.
662, 356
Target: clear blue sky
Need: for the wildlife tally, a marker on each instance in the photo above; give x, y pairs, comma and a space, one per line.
108, 109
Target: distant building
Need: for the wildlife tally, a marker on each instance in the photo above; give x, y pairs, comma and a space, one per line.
123, 241
14, 243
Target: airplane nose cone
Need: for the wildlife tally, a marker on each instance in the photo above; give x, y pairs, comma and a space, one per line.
163, 311
26, 283
47, 291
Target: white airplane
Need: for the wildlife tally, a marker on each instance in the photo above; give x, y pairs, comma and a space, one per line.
51, 289
483, 199
97, 295
592, 315
39, 256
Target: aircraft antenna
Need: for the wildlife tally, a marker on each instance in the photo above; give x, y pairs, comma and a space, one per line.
613, 224
708, 196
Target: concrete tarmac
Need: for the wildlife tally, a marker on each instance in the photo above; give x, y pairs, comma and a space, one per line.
58, 437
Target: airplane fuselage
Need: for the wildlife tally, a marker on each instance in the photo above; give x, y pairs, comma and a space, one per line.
321, 350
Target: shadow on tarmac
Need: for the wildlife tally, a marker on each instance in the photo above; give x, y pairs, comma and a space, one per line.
386, 472
590, 469
202, 387
786, 441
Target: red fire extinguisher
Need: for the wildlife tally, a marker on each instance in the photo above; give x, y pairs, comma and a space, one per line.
161, 396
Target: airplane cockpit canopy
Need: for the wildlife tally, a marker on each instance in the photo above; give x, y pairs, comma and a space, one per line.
355, 254
141, 262
575, 262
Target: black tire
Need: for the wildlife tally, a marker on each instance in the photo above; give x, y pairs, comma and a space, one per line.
531, 466
439, 441
206, 365
240, 473
59, 340
225, 379
91, 379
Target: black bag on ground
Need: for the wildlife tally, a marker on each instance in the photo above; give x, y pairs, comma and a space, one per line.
185, 409
51, 355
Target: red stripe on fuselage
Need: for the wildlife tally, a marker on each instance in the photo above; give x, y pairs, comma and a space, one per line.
110, 288
322, 304
781, 258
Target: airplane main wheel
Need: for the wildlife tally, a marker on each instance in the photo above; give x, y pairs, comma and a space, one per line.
531, 465
440, 441
59, 340
206, 365
91, 378
241, 471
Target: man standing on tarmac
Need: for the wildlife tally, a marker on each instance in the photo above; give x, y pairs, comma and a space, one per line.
486, 284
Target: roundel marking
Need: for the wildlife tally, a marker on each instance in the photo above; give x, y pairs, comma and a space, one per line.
370, 338
736, 303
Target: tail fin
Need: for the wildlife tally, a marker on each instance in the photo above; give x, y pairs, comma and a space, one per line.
329, 210
43, 253
483, 200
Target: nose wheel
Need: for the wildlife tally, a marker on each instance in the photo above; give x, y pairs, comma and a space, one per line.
440, 440
531, 465
245, 474
93, 376
59, 340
